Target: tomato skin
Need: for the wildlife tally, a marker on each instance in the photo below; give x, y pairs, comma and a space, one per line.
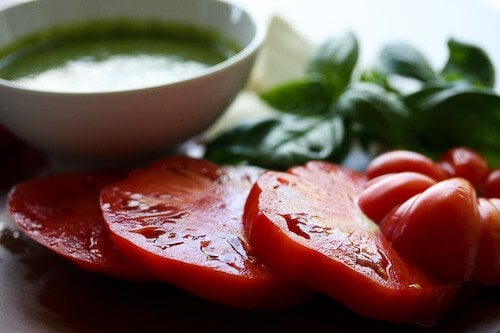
326, 243
438, 229
62, 213
487, 267
181, 218
466, 163
403, 160
388, 191
491, 187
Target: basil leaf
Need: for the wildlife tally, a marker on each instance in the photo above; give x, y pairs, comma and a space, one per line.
334, 61
402, 59
372, 76
281, 141
375, 114
468, 64
445, 117
433, 97
307, 96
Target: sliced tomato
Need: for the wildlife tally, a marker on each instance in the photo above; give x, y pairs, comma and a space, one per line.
466, 163
306, 223
62, 213
491, 187
438, 229
182, 218
403, 160
487, 266
385, 192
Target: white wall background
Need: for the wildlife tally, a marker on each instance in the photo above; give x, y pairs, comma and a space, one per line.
427, 24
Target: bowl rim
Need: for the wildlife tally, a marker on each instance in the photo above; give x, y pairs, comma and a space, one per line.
247, 51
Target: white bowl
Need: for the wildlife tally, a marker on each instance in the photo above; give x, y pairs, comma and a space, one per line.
117, 124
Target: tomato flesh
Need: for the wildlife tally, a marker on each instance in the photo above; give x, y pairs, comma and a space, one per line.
182, 218
62, 213
306, 223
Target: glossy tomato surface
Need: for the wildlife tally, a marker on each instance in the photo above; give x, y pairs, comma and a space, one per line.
442, 227
438, 229
385, 192
487, 266
491, 188
182, 218
402, 161
306, 223
62, 213
466, 163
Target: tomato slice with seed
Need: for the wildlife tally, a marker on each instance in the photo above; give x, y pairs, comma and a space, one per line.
306, 223
62, 213
182, 218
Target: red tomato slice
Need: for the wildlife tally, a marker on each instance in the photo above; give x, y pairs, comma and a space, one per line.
306, 223
438, 229
182, 218
487, 268
62, 213
388, 191
401, 161
466, 163
491, 188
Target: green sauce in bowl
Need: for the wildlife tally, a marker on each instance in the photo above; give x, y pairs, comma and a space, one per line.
112, 55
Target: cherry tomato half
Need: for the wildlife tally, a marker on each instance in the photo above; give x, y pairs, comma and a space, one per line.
466, 163
438, 229
403, 160
487, 266
491, 187
388, 191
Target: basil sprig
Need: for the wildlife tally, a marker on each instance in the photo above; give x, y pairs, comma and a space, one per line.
281, 140
322, 114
